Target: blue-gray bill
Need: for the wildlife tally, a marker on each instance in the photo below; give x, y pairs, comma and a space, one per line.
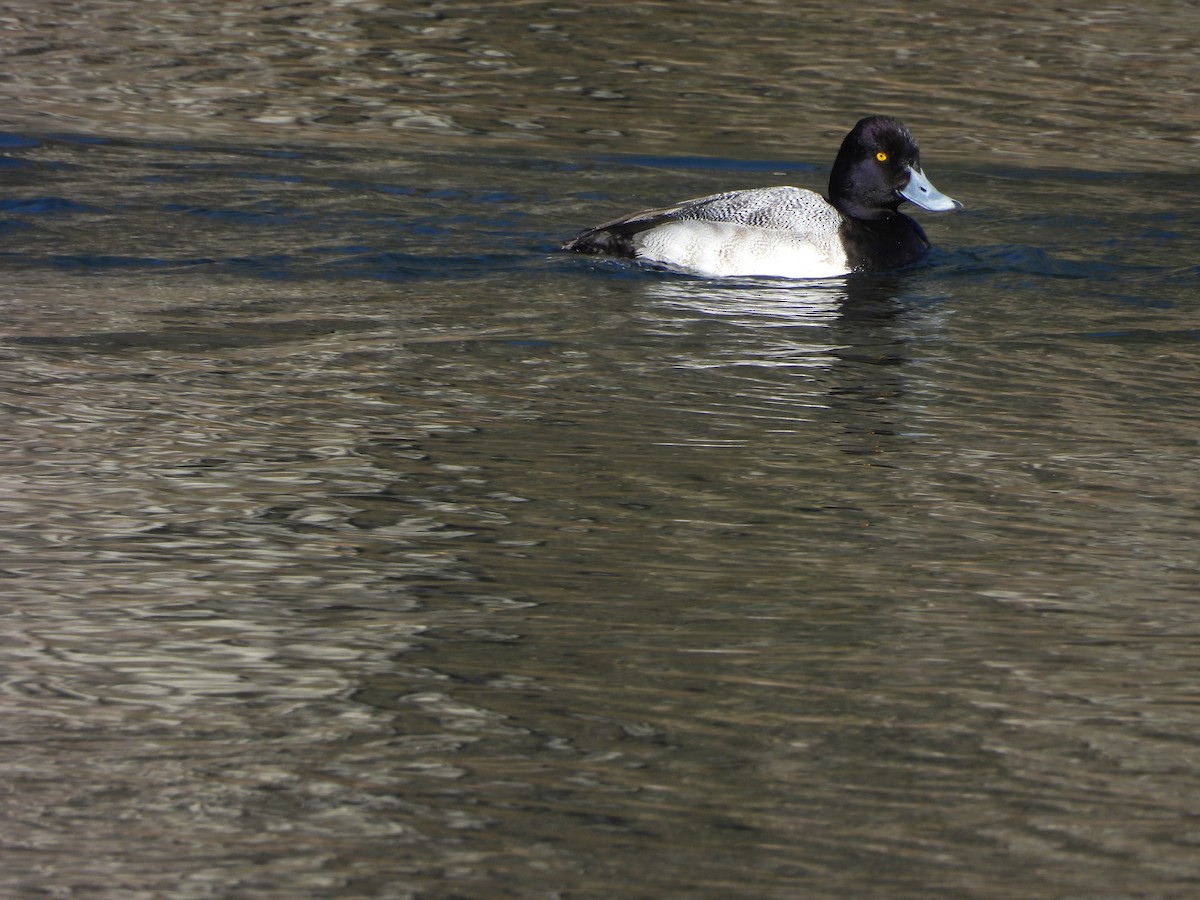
920, 191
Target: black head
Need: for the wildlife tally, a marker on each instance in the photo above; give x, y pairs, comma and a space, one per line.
875, 163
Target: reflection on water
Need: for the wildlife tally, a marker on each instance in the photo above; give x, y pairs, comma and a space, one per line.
357, 545
751, 304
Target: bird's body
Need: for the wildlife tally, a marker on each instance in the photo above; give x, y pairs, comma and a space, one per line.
790, 232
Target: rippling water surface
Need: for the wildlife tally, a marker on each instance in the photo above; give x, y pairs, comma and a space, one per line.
357, 544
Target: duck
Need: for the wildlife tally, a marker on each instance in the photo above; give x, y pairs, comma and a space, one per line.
791, 232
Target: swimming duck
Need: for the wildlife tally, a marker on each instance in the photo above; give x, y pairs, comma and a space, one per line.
790, 232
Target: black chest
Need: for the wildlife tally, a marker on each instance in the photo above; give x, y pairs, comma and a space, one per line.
889, 242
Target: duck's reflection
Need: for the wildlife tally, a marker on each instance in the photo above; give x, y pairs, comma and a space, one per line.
778, 323
757, 304
775, 354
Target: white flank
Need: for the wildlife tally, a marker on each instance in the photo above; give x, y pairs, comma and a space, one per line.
722, 249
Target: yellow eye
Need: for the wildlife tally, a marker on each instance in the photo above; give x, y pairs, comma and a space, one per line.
881, 156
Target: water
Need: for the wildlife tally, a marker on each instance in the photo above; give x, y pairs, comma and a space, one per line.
359, 545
